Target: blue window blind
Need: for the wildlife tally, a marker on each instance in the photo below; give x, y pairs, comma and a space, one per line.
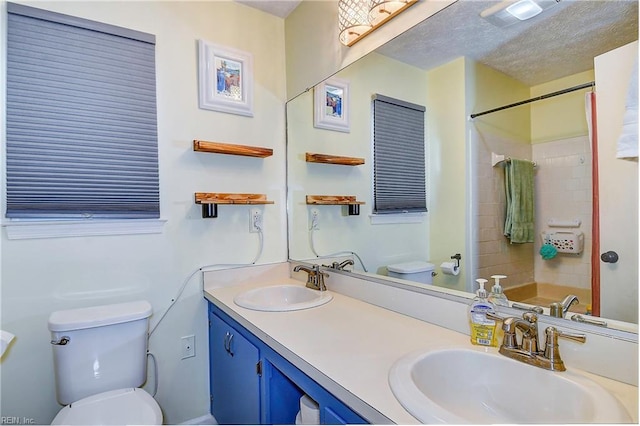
399, 176
81, 119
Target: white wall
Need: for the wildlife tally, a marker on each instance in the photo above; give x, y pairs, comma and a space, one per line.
618, 183
564, 192
42, 275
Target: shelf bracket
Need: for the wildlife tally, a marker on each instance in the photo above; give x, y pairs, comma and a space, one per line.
209, 211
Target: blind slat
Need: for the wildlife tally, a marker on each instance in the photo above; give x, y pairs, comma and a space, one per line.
399, 156
81, 119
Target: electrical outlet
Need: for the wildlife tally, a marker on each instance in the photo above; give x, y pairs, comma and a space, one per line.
315, 219
188, 346
255, 220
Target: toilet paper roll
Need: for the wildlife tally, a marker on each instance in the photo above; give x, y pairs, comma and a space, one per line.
309, 411
449, 268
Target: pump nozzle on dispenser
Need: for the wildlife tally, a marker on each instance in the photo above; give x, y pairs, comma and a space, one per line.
497, 297
481, 292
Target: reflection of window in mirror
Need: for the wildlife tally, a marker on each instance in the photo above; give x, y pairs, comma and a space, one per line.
399, 183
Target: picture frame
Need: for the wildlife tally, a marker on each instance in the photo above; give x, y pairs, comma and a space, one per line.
331, 105
225, 79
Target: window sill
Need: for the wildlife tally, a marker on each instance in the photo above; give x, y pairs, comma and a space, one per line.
388, 219
25, 230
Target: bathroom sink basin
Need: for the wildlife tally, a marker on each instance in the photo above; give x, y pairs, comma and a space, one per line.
280, 298
475, 386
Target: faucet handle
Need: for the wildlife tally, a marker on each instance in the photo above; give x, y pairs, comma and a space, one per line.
552, 351
576, 337
532, 317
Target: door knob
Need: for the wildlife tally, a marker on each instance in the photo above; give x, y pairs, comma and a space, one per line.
609, 257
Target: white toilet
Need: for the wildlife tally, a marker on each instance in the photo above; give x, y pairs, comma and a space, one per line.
418, 271
100, 359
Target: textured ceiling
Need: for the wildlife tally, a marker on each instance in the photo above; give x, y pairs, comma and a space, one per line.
561, 41
281, 8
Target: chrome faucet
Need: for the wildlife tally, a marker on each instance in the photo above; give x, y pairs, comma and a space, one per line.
340, 266
527, 351
560, 309
315, 279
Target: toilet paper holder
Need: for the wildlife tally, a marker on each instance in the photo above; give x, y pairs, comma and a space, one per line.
457, 258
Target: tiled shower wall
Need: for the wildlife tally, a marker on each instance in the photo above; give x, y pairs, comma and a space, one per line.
564, 192
496, 254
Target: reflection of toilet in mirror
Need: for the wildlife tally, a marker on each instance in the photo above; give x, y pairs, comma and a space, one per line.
100, 359
417, 271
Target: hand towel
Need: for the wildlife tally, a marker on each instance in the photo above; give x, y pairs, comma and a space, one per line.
519, 222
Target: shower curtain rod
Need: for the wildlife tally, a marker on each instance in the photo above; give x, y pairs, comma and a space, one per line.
538, 98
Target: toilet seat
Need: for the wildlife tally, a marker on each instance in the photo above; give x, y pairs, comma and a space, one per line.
121, 406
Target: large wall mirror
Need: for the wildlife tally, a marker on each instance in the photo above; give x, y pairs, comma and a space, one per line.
456, 63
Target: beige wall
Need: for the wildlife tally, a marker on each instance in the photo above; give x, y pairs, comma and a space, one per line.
446, 139
559, 117
377, 245
43, 275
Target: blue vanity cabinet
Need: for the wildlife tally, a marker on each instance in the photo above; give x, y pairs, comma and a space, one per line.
253, 384
284, 387
234, 379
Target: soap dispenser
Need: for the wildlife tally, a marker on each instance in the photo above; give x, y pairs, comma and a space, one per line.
497, 296
483, 329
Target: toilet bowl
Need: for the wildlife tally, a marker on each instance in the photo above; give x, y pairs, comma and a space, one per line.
116, 407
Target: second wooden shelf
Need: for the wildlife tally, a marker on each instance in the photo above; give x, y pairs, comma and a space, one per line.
311, 157
226, 148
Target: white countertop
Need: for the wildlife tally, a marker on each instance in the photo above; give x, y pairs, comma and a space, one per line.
354, 344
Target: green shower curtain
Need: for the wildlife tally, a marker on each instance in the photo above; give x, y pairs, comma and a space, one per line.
519, 222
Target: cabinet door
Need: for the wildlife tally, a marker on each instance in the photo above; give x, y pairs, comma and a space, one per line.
234, 380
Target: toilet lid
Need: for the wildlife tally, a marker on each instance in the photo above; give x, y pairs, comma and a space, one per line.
121, 406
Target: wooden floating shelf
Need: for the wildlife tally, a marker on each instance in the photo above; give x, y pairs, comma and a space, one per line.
333, 159
210, 201
230, 149
337, 200
220, 198
332, 199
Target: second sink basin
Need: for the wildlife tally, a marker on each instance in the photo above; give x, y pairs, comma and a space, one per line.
281, 298
473, 386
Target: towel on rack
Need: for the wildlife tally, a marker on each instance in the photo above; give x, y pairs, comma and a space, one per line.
628, 140
519, 222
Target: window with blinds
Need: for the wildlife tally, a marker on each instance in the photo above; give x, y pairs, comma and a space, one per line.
399, 175
81, 119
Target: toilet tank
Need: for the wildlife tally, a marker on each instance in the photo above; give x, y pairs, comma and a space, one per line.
105, 349
417, 271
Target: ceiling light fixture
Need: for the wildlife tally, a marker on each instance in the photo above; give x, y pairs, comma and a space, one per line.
357, 18
524, 9
509, 12
353, 20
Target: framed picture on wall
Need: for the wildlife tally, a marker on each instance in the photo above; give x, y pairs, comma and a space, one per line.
225, 79
331, 105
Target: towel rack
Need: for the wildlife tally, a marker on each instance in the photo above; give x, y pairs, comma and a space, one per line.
498, 159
